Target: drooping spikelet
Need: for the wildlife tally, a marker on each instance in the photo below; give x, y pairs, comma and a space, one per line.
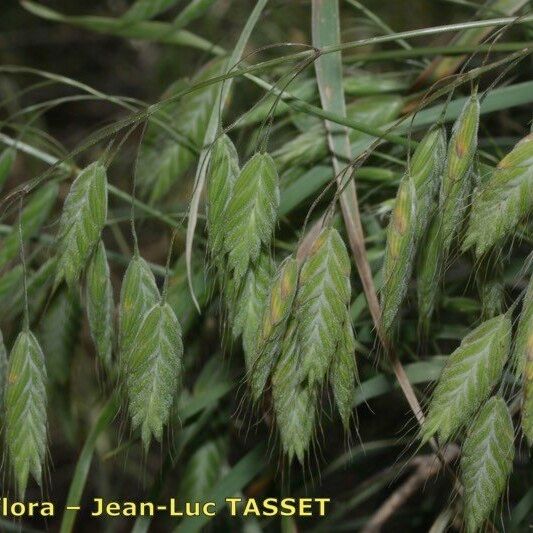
486, 461
468, 377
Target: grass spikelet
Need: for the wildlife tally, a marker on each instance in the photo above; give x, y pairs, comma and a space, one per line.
32, 217
320, 309
426, 167
489, 280
154, 371
294, 400
399, 252
273, 324
84, 215
252, 212
25, 410
456, 181
343, 375
164, 157
486, 461
251, 303
138, 295
100, 306
7, 158
58, 333
428, 270
223, 171
468, 377
527, 405
503, 200
524, 331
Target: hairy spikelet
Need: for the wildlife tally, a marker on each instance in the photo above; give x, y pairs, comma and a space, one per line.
468, 377
223, 171
343, 375
138, 294
426, 167
294, 401
251, 303
486, 461
503, 200
84, 215
100, 306
7, 158
202, 471
58, 333
524, 331
165, 156
154, 371
25, 410
252, 212
3, 372
320, 309
311, 146
273, 323
399, 252
456, 181
31, 219
489, 280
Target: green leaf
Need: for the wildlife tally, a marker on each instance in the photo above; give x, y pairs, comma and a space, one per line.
147, 9
32, 217
195, 9
154, 371
84, 215
321, 304
252, 212
100, 306
138, 294
202, 471
7, 158
25, 413
343, 375
486, 461
503, 200
470, 373
223, 171
58, 332
3, 371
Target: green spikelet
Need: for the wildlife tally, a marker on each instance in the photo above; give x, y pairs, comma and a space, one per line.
343, 375
166, 156
456, 181
138, 294
486, 461
100, 306
311, 146
320, 308
59, 332
7, 158
523, 332
84, 215
468, 377
399, 252
223, 171
252, 212
154, 371
251, 303
294, 401
25, 410
273, 323
527, 405
503, 200
489, 280
426, 168
32, 217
